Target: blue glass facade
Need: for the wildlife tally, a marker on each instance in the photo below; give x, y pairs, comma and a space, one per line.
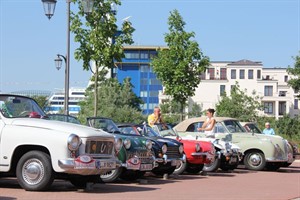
136, 65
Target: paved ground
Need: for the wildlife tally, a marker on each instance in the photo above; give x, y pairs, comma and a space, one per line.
239, 184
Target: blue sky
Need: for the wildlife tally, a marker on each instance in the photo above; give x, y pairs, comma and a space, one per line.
226, 30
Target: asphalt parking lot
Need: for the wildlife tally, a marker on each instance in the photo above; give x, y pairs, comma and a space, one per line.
238, 184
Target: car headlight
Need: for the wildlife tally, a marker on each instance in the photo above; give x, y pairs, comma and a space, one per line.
149, 144
197, 147
118, 144
74, 142
127, 143
164, 149
180, 149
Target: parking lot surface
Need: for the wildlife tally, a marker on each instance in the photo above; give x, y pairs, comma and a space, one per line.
238, 184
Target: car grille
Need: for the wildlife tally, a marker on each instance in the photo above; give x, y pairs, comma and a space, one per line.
99, 147
144, 156
173, 152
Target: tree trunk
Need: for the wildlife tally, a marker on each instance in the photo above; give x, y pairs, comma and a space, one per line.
181, 111
96, 91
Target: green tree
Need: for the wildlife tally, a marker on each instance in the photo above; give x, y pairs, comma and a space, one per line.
100, 40
239, 105
196, 110
41, 100
180, 65
295, 71
120, 102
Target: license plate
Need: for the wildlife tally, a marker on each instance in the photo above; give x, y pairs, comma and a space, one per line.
146, 167
133, 166
233, 159
107, 164
81, 165
175, 162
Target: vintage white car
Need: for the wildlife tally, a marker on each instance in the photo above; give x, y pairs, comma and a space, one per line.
260, 151
37, 150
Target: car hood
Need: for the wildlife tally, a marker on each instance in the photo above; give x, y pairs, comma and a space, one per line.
58, 126
137, 142
161, 141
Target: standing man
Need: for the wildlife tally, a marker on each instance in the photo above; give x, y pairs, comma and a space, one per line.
155, 117
268, 130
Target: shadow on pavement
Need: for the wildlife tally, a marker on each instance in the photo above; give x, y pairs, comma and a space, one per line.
7, 198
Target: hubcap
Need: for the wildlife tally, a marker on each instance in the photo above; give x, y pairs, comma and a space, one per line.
33, 171
255, 159
108, 174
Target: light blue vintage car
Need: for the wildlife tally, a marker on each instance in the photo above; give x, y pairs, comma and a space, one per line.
260, 151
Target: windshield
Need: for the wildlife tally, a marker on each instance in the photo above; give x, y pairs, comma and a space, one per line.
164, 130
18, 106
233, 126
252, 128
63, 118
105, 124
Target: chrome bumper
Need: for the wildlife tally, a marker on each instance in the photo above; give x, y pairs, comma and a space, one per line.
165, 159
97, 167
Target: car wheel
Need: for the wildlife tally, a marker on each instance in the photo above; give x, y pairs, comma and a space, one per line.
112, 175
130, 175
194, 169
213, 166
34, 171
180, 168
255, 160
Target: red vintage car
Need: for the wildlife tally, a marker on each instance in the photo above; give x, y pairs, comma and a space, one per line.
197, 153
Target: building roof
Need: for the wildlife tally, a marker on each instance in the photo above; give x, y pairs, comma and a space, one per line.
246, 62
144, 47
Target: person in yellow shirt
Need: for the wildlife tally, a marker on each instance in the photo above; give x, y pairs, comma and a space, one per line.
155, 117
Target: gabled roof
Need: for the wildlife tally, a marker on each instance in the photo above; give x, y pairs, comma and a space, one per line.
245, 62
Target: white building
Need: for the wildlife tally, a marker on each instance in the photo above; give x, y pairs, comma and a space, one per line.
269, 83
56, 101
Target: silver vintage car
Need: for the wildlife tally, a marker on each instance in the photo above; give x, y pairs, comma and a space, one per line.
260, 151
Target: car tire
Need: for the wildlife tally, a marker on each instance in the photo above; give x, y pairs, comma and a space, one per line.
255, 160
34, 171
194, 169
180, 168
211, 167
111, 176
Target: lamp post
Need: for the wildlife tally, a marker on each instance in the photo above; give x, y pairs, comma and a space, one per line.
49, 8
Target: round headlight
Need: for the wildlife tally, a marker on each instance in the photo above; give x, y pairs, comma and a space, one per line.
127, 143
181, 149
149, 144
74, 142
164, 149
118, 144
197, 148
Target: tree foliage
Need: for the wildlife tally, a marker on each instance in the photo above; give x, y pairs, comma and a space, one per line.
295, 71
180, 65
196, 110
41, 100
239, 105
118, 100
100, 40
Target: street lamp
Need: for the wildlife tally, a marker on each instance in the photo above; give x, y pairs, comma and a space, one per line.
49, 8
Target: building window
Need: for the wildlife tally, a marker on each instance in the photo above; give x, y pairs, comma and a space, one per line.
286, 78
268, 107
233, 74
132, 55
258, 74
223, 75
144, 55
242, 74
296, 104
222, 89
268, 90
282, 108
250, 74
282, 93
202, 76
211, 72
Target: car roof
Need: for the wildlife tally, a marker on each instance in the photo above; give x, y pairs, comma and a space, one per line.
182, 126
